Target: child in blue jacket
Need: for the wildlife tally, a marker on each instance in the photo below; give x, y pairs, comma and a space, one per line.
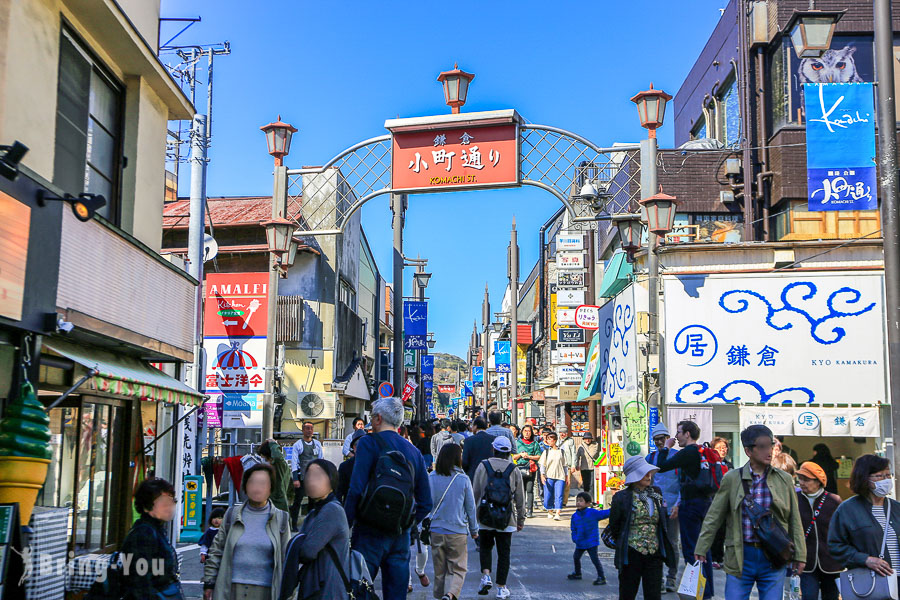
586, 535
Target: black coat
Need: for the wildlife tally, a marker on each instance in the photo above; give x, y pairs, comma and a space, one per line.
147, 541
476, 449
621, 513
817, 554
855, 535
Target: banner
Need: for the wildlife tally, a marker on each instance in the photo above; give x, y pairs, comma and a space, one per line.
840, 146
478, 376
408, 389
415, 324
468, 389
703, 417
501, 357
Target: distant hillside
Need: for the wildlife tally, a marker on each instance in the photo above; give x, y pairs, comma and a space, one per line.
445, 368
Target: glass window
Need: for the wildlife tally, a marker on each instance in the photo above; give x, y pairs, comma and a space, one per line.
699, 130
728, 114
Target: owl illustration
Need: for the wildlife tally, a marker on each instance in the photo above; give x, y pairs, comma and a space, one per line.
835, 66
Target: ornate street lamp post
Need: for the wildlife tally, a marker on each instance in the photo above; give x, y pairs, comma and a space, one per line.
456, 87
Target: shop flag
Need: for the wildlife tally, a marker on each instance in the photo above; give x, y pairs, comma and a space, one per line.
415, 324
840, 146
501, 357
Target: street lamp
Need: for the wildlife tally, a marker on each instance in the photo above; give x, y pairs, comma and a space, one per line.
456, 87
811, 31
422, 279
278, 138
631, 227
431, 341
658, 211
651, 105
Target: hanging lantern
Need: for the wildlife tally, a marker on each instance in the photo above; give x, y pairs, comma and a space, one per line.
658, 212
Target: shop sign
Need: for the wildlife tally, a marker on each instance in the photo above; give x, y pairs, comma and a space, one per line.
409, 388
567, 393
574, 279
570, 297
409, 360
612, 359
568, 374
212, 412
571, 335
478, 376
242, 411
616, 455
570, 241
538, 396
502, 357
565, 316
775, 339
468, 157
814, 421
15, 223
193, 508
568, 355
580, 421
236, 305
554, 325
446, 389
234, 365
415, 325
570, 260
587, 317
635, 424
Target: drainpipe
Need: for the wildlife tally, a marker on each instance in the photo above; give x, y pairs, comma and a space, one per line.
743, 73
763, 189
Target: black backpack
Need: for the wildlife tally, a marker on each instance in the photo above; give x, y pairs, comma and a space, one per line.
495, 507
389, 502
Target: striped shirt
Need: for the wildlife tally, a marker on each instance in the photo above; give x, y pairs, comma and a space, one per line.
893, 550
759, 490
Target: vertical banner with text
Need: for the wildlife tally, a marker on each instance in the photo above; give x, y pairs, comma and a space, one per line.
415, 325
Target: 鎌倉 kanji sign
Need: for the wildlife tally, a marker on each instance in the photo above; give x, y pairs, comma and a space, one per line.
474, 150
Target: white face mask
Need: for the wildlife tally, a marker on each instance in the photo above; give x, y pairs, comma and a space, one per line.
883, 488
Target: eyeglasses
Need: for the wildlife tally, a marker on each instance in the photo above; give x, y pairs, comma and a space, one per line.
879, 477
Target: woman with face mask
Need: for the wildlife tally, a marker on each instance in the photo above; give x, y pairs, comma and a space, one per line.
860, 523
816, 509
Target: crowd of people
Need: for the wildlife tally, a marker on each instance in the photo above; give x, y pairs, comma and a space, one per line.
425, 488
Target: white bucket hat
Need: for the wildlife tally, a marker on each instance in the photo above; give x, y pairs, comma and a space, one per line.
636, 468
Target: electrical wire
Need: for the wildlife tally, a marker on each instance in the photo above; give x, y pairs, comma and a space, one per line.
847, 243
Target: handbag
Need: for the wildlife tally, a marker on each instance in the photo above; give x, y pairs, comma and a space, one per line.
425, 531
607, 538
776, 544
862, 583
359, 584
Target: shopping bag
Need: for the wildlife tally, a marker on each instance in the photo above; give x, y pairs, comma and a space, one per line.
693, 582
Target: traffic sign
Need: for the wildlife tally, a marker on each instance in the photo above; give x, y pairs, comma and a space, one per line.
385, 390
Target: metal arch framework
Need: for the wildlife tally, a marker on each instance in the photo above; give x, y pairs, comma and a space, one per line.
321, 200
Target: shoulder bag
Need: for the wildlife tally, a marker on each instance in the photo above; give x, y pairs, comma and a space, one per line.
425, 533
862, 583
774, 540
359, 583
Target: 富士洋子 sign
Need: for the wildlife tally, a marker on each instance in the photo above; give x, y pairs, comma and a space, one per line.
840, 146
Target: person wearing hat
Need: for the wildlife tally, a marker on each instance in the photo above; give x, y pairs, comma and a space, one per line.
638, 523
670, 486
822, 570
554, 473
584, 462
490, 534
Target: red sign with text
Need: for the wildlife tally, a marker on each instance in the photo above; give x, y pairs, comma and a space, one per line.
446, 389
236, 305
435, 160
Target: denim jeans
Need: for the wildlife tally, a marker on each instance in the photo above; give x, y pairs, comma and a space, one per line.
553, 493
812, 584
757, 570
592, 553
691, 513
388, 554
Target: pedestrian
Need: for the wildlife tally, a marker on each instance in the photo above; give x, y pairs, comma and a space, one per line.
345, 469
303, 452
720, 445
358, 424
246, 559
147, 545
388, 475
585, 526
452, 520
272, 453
722, 448
585, 457
822, 457
695, 499
477, 448
554, 471
500, 506
528, 452
670, 487
323, 540
772, 490
816, 510
495, 418
443, 436
861, 535
783, 461
206, 540
638, 525
515, 430
566, 443
457, 428
424, 444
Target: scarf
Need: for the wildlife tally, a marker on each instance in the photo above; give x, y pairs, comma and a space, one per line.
317, 504
649, 497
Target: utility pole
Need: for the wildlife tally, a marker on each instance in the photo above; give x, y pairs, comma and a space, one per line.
486, 321
514, 323
398, 208
890, 218
419, 293
279, 205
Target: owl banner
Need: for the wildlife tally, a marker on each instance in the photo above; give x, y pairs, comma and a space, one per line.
840, 146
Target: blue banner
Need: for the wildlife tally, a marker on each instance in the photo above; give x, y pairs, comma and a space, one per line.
840, 146
468, 389
428, 363
652, 422
415, 324
501, 356
478, 376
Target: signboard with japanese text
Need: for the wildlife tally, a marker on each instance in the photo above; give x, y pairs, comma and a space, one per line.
415, 325
440, 159
580, 422
587, 317
468, 388
589, 384
446, 389
571, 335
409, 360
570, 260
408, 389
572, 278
565, 316
553, 324
775, 339
570, 241
502, 357
811, 421
569, 297
569, 373
522, 363
236, 305
234, 365
242, 411
212, 411
840, 146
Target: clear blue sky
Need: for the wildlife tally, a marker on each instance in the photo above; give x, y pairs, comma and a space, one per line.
337, 70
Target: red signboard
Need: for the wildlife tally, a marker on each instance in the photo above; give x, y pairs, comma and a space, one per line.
434, 160
446, 389
408, 389
236, 305
587, 316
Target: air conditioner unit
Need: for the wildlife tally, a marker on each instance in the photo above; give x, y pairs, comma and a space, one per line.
316, 405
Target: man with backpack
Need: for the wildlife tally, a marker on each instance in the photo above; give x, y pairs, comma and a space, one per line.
699, 483
389, 494
500, 507
671, 491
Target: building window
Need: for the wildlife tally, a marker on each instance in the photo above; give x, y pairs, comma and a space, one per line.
728, 114
699, 130
88, 154
348, 295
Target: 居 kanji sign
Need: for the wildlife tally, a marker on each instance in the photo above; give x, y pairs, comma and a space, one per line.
472, 150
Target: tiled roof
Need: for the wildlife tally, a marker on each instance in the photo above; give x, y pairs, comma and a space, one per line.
235, 211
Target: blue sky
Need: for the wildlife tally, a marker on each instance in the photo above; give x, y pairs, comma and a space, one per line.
337, 70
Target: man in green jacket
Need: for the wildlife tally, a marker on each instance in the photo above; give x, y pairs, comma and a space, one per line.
745, 562
282, 493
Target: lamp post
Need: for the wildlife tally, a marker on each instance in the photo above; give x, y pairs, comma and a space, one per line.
456, 87
811, 30
280, 238
420, 279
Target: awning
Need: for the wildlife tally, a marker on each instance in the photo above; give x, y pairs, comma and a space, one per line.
125, 375
353, 382
616, 276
